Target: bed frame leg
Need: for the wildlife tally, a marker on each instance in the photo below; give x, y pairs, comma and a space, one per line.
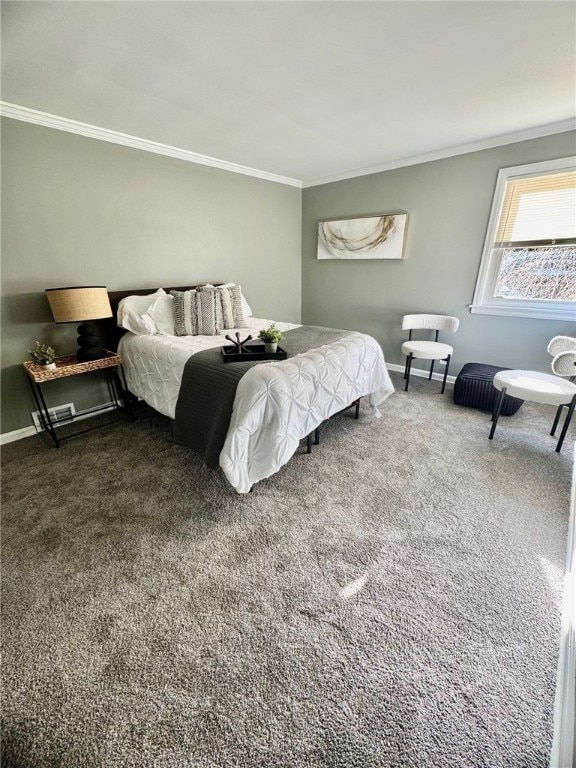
355, 404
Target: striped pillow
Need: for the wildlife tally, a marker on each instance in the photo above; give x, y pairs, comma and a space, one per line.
226, 307
197, 312
208, 310
232, 310
237, 310
185, 313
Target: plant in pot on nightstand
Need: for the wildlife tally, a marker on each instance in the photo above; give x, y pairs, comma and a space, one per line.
270, 336
43, 355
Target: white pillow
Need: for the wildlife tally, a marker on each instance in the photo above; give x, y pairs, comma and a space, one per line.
160, 315
131, 312
246, 308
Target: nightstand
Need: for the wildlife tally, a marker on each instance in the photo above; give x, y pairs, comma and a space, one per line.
68, 365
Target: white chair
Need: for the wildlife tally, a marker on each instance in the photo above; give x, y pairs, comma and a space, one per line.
561, 344
427, 350
563, 350
537, 388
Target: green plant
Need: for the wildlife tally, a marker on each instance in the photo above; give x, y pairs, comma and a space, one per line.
270, 335
42, 354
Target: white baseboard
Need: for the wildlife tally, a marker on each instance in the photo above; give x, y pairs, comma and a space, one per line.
17, 434
420, 372
20, 434
564, 741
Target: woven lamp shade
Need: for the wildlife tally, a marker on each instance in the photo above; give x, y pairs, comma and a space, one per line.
74, 305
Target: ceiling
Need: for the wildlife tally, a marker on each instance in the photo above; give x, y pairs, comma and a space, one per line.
305, 90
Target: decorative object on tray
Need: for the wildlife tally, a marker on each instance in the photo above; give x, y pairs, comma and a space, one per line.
43, 355
369, 237
239, 345
251, 352
82, 304
270, 336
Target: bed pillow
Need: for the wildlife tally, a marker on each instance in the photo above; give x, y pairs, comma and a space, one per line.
160, 315
209, 309
236, 299
197, 312
237, 309
131, 311
246, 308
185, 313
226, 307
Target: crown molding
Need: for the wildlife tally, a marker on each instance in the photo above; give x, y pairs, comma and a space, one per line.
462, 149
24, 114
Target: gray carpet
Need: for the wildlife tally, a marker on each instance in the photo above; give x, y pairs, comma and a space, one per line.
391, 600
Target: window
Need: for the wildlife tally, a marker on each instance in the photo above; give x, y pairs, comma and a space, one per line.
528, 266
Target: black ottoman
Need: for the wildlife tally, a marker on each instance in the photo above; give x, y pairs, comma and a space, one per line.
474, 388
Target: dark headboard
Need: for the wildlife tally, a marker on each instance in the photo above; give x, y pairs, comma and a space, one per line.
112, 332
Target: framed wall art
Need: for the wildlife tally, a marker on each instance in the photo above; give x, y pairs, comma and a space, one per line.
369, 237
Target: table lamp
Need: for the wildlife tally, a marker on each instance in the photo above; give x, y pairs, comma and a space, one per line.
82, 305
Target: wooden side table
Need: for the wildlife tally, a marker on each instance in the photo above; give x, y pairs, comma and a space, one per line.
67, 365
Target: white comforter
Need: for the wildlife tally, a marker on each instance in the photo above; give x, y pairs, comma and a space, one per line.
276, 403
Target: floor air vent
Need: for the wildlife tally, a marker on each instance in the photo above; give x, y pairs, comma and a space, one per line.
59, 415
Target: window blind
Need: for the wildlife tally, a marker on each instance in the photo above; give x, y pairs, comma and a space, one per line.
538, 211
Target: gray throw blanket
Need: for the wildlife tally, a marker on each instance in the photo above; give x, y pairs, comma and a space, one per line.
208, 388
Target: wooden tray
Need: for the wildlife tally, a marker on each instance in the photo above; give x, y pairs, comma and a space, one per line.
257, 352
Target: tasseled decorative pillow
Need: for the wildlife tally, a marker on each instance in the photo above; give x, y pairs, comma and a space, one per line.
237, 310
208, 310
185, 313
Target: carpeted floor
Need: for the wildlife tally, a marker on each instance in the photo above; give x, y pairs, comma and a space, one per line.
391, 600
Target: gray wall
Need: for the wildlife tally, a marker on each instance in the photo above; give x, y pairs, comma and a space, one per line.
80, 211
448, 204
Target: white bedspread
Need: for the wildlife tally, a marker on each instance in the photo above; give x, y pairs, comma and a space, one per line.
276, 403
154, 364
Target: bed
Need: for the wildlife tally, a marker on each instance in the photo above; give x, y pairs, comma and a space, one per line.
268, 408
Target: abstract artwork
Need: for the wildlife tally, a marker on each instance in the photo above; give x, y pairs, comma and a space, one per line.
371, 237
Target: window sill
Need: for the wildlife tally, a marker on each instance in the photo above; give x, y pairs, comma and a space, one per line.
558, 312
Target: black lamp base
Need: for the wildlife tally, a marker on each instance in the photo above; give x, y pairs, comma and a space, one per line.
89, 343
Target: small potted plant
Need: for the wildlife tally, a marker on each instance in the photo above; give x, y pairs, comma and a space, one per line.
43, 355
270, 336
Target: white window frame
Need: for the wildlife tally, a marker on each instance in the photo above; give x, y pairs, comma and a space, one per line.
484, 301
